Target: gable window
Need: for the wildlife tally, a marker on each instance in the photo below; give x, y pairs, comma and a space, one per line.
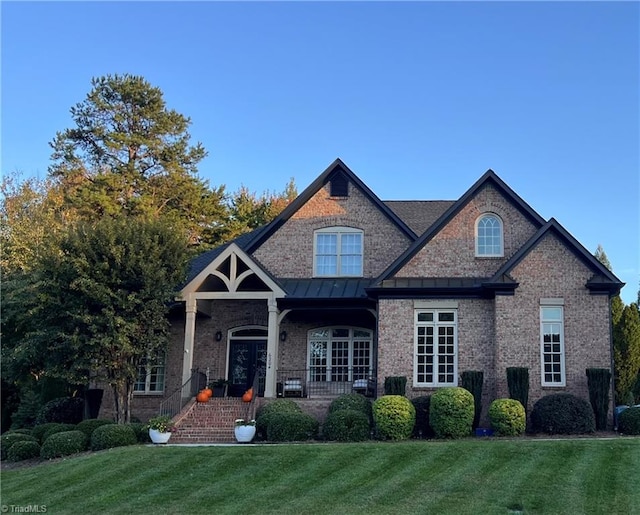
436, 348
150, 375
552, 345
340, 354
338, 252
489, 236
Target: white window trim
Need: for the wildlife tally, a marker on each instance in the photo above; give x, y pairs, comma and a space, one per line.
147, 381
556, 303
493, 215
338, 231
435, 310
351, 338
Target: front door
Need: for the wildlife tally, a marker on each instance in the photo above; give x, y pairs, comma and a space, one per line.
247, 358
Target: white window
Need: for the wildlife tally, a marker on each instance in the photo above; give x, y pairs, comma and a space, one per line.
338, 252
552, 345
489, 236
436, 348
151, 375
340, 354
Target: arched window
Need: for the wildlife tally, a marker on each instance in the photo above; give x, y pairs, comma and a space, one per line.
489, 236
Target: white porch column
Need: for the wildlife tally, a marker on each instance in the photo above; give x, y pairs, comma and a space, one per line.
189, 336
272, 350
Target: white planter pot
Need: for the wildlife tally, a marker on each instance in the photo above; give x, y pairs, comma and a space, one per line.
158, 437
245, 434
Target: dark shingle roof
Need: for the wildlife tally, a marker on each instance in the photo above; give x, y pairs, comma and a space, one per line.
419, 214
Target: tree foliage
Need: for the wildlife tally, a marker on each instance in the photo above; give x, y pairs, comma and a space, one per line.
626, 351
129, 154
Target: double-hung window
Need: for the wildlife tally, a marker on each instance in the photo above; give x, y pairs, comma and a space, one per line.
552, 345
151, 375
338, 252
489, 236
436, 348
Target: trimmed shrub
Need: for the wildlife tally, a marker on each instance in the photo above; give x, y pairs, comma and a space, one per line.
352, 401
422, 429
507, 417
141, 431
471, 380
27, 412
89, 425
63, 444
112, 435
518, 384
562, 413
395, 385
598, 380
38, 432
9, 438
291, 427
265, 412
629, 421
346, 425
451, 412
25, 450
22, 431
65, 410
57, 428
394, 417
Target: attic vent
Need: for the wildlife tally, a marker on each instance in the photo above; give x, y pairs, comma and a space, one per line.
339, 185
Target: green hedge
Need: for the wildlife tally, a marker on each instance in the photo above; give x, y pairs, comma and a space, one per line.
57, 428
562, 413
422, 428
507, 417
63, 444
65, 410
629, 421
394, 417
346, 425
24, 450
451, 412
89, 425
112, 435
9, 438
352, 401
291, 427
264, 414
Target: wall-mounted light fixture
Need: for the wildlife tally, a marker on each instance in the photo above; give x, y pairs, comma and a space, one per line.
219, 336
283, 335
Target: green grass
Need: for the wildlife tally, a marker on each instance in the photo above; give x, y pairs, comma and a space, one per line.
439, 477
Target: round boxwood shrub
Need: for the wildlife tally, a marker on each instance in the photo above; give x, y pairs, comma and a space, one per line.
352, 401
562, 413
422, 429
63, 444
394, 417
507, 417
451, 412
57, 428
66, 410
24, 450
112, 435
291, 427
89, 425
346, 425
629, 421
264, 414
141, 431
41, 431
8, 439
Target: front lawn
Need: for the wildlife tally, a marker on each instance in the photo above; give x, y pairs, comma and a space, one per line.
469, 476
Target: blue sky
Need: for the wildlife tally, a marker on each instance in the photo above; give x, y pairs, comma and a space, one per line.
418, 98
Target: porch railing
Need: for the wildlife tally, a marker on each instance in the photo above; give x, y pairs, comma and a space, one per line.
326, 382
172, 405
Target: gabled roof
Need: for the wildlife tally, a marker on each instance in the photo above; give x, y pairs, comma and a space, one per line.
489, 177
336, 167
419, 214
603, 280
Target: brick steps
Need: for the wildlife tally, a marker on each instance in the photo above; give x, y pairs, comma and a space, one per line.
209, 422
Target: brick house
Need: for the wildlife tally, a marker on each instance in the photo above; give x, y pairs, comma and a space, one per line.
343, 289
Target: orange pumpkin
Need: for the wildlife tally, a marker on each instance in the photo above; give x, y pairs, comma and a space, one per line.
202, 396
248, 395
208, 391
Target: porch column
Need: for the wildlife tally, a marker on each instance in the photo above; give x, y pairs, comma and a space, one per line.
272, 350
189, 335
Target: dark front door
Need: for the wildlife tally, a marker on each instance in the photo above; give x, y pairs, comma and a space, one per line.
248, 357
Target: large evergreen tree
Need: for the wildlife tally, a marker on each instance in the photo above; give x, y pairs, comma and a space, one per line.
129, 154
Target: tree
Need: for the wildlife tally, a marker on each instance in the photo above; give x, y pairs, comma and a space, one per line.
130, 155
102, 301
626, 351
601, 256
